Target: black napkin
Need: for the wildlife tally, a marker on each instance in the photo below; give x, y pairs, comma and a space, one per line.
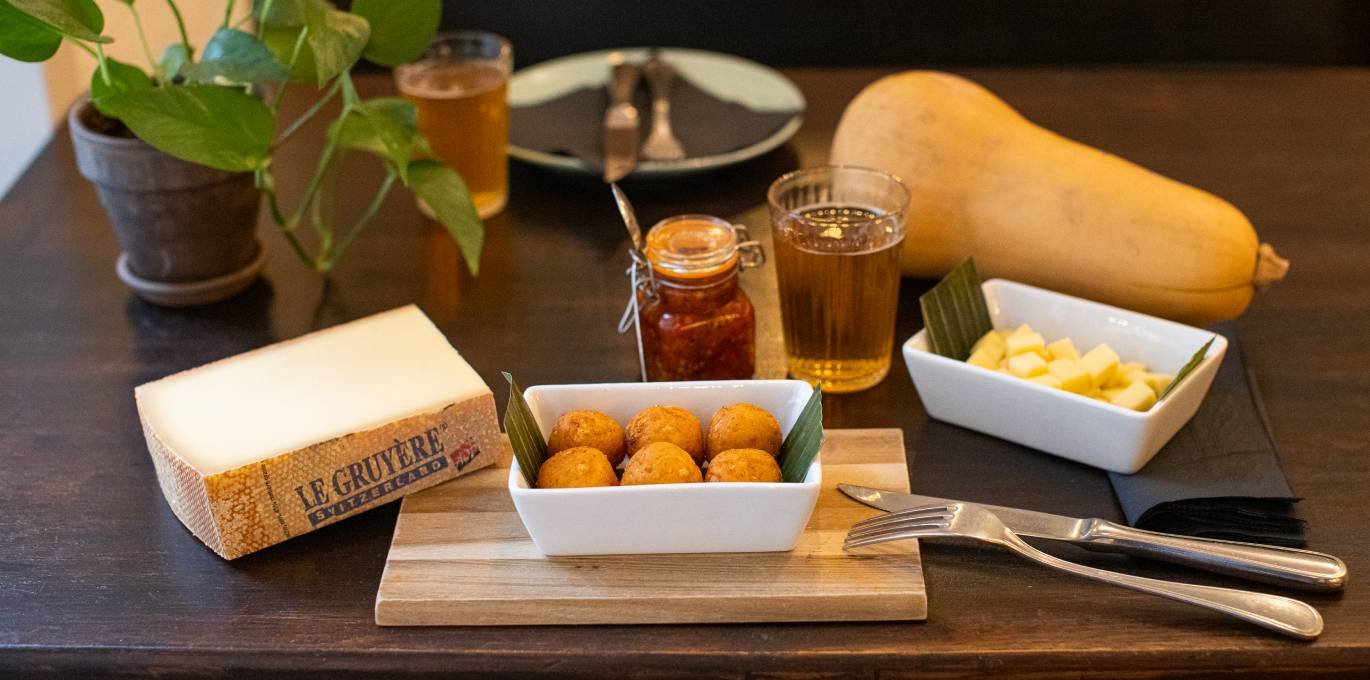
572, 124
1220, 476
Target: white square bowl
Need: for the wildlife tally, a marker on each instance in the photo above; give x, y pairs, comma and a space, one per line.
667, 518
1059, 422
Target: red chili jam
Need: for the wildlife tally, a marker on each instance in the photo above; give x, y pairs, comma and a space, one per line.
701, 325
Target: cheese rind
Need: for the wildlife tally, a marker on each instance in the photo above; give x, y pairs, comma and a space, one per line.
239, 501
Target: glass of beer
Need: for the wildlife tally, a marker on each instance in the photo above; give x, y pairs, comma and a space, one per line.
837, 233
459, 90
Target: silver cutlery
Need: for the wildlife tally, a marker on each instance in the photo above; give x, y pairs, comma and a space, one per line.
964, 520
661, 144
621, 123
1287, 567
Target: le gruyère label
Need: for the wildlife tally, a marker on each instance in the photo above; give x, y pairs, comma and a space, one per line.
266, 502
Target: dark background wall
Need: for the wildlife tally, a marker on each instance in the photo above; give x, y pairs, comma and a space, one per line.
939, 32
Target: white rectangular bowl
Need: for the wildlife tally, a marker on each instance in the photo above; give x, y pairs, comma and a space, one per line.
1059, 422
667, 518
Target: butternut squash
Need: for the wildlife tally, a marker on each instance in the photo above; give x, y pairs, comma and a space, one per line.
1033, 206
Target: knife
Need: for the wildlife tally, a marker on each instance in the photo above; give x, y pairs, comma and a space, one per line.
1287, 567
621, 123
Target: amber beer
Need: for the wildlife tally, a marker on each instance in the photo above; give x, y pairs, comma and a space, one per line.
459, 89
837, 260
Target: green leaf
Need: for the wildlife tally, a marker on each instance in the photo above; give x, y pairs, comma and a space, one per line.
174, 59
79, 19
524, 436
24, 38
335, 37
443, 190
122, 78
237, 57
386, 126
282, 13
954, 312
1188, 368
222, 127
400, 29
281, 41
804, 440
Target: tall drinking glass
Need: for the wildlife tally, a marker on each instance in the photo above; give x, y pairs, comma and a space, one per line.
459, 90
837, 233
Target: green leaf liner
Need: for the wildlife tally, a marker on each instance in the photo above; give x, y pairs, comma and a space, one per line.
524, 436
804, 440
955, 313
1188, 368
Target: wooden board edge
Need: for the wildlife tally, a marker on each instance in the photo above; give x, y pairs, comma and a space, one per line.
911, 607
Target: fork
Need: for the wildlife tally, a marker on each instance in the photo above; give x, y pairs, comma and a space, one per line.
661, 144
966, 520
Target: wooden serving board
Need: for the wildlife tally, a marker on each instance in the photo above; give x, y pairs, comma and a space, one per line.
461, 557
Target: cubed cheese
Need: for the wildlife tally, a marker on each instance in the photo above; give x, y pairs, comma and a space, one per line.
1126, 374
1027, 365
260, 447
1159, 382
1063, 349
1100, 363
1021, 330
1048, 380
1023, 343
990, 347
1137, 396
1071, 376
989, 339
984, 358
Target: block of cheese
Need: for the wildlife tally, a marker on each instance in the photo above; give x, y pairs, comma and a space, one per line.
267, 445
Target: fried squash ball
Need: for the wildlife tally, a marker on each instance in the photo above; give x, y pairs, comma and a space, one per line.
666, 424
588, 428
743, 426
743, 465
577, 467
661, 463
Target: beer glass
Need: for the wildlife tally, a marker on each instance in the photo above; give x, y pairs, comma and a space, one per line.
459, 90
837, 233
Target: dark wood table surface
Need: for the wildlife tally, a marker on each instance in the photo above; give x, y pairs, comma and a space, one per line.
98, 577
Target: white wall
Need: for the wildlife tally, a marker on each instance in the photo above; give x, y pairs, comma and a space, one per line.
25, 122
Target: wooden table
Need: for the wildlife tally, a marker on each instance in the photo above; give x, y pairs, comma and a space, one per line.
98, 577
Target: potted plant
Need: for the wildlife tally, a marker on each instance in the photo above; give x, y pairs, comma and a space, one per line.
181, 151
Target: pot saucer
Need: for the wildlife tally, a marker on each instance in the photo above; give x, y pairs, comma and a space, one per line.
191, 293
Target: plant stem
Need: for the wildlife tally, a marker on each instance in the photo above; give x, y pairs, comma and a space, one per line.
262, 16
294, 56
304, 118
142, 37
104, 64
181, 25
329, 259
85, 47
267, 184
312, 189
228, 13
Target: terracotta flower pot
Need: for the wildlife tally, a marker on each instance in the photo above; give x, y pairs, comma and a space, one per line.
188, 231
